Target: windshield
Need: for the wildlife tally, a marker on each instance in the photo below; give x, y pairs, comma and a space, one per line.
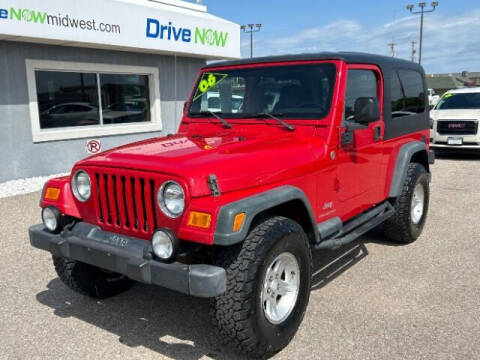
451, 101
295, 91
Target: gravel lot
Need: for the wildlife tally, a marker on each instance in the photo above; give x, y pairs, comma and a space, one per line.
371, 300
24, 186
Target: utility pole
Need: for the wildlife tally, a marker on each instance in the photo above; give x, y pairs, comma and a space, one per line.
422, 11
414, 50
250, 29
392, 49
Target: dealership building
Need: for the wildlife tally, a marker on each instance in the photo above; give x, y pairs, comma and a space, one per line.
97, 72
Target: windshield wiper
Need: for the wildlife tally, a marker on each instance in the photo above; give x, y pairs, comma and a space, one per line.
224, 122
274, 117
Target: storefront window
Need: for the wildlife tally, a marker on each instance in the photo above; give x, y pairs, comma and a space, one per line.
70, 99
67, 99
125, 98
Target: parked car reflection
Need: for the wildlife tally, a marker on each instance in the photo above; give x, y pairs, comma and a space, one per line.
69, 114
126, 112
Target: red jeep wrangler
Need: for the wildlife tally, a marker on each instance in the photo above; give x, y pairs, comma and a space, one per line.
275, 158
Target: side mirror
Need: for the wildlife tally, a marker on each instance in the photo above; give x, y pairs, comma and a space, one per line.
366, 110
184, 106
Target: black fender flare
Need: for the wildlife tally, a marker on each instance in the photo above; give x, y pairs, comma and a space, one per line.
252, 206
404, 158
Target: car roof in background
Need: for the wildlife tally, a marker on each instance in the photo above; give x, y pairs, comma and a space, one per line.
471, 90
349, 57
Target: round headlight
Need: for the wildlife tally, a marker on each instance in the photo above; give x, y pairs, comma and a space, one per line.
171, 199
81, 186
164, 244
51, 218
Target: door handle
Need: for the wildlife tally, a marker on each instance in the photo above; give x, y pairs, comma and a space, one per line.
377, 133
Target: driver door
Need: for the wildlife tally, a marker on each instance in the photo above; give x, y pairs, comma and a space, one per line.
361, 164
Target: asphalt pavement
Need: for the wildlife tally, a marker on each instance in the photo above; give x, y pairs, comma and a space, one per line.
370, 300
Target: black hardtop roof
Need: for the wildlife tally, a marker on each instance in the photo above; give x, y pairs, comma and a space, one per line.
383, 62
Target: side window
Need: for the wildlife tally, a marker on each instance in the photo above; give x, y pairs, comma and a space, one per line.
360, 83
414, 92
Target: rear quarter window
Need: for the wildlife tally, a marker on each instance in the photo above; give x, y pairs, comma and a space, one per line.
407, 93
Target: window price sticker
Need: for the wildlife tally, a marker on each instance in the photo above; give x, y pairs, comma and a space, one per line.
208, 81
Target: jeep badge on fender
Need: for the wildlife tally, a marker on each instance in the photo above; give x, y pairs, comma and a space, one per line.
275, 158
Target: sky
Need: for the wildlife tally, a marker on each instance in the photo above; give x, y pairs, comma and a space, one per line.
451, 33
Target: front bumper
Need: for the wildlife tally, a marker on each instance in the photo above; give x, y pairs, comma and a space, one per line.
456, 147
441, 141
131, 257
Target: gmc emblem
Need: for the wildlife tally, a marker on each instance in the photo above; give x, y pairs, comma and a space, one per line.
456, 126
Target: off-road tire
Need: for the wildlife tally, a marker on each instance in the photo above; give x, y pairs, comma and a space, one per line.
90, 280
400, 227
238, 313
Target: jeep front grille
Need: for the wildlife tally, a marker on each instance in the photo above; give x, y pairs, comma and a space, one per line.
126, 202
457, 127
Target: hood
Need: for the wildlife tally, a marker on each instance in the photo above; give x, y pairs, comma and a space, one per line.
460, 114
239, 161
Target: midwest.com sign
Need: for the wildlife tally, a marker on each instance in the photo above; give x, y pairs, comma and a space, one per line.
112, 24
43, 18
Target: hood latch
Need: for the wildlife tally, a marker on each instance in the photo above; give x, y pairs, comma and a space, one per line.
213, 184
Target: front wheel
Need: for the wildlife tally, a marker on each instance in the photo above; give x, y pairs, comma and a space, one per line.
411, 207
268, 288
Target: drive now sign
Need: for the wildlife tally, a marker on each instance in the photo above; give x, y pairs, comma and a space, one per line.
170, 32
20, 14
119, 25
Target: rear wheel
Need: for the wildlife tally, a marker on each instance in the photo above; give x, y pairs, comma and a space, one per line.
268, 288
90, 280
411, 207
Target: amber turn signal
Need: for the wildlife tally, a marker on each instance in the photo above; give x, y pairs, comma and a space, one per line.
238, 222
200, 220
52, 194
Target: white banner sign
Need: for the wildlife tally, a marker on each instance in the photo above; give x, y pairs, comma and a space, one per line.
114, 24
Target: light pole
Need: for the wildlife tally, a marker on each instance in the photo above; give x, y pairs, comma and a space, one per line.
422, 11
250, 29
